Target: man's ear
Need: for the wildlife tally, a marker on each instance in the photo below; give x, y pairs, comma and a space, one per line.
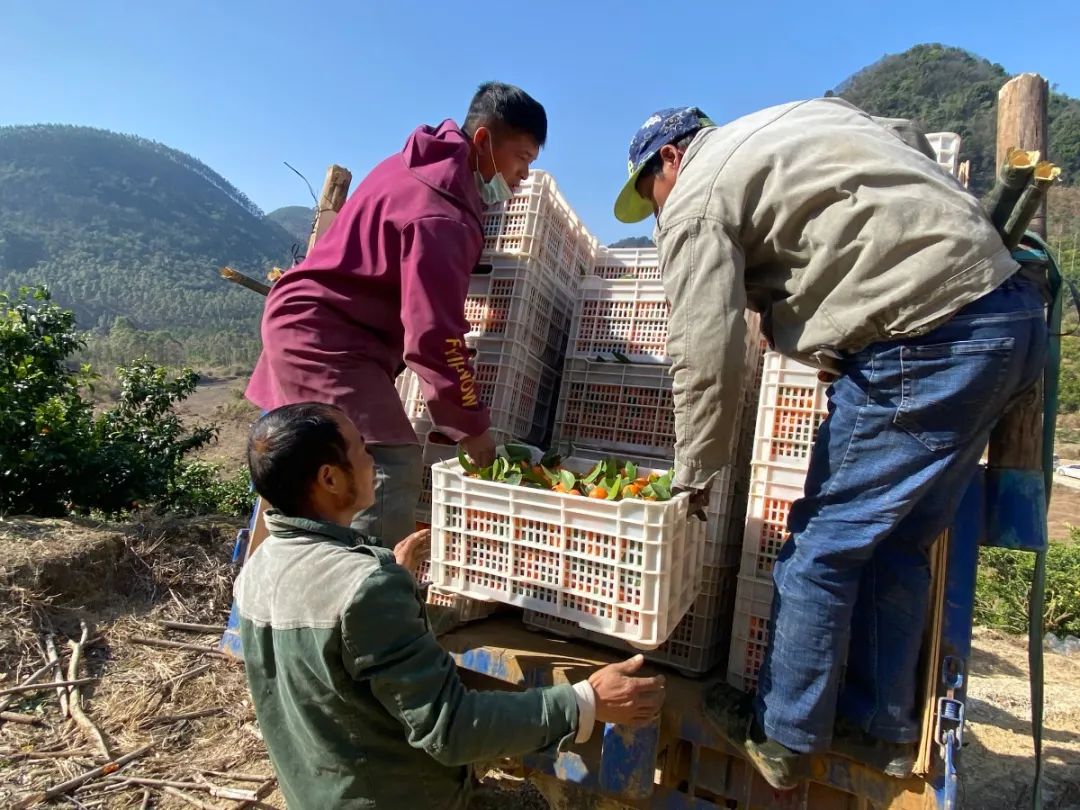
670, 155
328, 478
482, 135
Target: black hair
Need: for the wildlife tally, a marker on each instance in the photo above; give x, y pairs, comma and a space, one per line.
656, 162
286, 448
499, 105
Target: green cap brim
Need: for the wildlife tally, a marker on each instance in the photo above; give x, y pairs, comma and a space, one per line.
630, 206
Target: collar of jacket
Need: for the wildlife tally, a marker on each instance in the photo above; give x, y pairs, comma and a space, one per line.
287, 527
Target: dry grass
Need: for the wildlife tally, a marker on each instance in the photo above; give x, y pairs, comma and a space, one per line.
153, 570
124, 580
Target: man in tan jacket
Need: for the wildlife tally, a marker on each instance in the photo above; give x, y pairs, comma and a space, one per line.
866, 259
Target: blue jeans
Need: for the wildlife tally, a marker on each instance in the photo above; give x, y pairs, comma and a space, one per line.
908, 422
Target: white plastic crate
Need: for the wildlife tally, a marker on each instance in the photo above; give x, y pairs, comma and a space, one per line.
517, 300
697, 645
434, 451
435, 448
749, 633
621, 263
616, 407
468, 610
719, 550
628, 317
517, 387
947, 147
629, 569
792, 406
537, 222
766, 525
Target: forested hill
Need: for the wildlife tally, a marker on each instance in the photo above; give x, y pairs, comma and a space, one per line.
121, 226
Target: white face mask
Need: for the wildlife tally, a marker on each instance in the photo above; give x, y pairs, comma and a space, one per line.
495, 190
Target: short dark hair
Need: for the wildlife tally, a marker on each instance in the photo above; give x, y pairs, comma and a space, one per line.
656, 163
286, 448
503, 105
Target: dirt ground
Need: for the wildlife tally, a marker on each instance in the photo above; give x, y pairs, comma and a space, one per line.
221, 400
192, 706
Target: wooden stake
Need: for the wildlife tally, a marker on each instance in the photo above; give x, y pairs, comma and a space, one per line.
1016, 441
25, 719
189, 799
1021, 122
71, 784
61, 692
261, 792
34, 676
235, 794
176, 718
335, 191
189, 627
199, 670
37, 687
241, 777
176, 645
237, 277
17, 756
75, 699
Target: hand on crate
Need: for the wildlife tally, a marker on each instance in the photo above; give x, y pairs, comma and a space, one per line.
699, 502
480, 449
624, 699
413, 550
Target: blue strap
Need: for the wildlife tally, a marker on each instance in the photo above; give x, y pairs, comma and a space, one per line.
1043, 256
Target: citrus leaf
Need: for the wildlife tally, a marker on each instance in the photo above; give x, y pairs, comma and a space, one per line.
517, 452
599, 468
465, 463
616, 487
568, 480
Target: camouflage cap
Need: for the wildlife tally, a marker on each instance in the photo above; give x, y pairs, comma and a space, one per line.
661, 128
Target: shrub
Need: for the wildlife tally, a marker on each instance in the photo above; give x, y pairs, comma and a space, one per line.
57, 456
203, 488
1003, 586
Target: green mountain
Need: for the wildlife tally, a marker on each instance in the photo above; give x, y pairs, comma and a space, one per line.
633, 242
118, 225
296, 219
950, 89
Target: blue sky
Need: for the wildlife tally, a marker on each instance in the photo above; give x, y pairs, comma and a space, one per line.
246, 85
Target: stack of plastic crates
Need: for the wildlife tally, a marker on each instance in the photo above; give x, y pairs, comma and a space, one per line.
791, 410
520, 301
616, 400
468, 610
538, 223
619, 263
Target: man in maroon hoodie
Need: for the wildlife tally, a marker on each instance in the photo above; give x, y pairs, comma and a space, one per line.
386, 286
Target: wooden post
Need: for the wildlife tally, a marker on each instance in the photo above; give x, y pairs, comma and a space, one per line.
1016, 442
1021, 122
335, 191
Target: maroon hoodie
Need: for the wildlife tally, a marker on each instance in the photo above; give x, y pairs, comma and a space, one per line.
385, 284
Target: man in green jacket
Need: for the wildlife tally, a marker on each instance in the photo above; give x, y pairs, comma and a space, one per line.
359, 705
866, 259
